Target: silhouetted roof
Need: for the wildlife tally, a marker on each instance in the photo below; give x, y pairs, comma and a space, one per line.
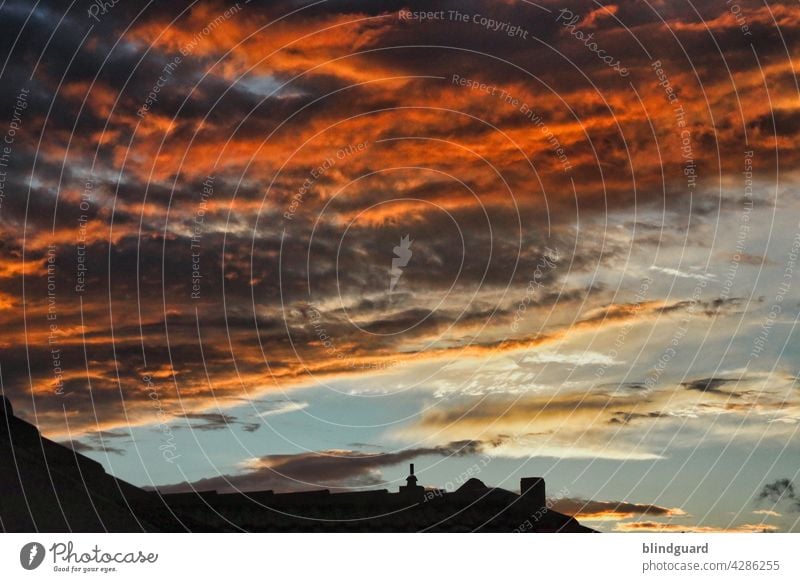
472, 485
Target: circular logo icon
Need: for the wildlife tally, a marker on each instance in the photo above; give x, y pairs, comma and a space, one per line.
31, 555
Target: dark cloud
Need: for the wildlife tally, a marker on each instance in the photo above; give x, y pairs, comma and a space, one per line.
97, 442
780, 490
783, 122
587, 509
710, 308
325, 469
216, 421
711, 386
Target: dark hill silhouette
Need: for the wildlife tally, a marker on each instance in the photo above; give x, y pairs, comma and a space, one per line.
47, 487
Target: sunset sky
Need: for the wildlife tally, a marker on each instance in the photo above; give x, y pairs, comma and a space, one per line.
201, 202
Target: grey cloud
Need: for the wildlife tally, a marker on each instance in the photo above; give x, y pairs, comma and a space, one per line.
711, 386
780, 490
329, 469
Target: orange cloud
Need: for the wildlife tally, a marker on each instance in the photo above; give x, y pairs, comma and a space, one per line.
654, 526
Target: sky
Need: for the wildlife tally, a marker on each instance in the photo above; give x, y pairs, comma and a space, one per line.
293, 245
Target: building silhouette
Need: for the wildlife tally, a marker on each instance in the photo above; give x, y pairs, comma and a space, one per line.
48, 487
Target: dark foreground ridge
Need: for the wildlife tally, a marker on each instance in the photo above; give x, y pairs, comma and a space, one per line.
47, 487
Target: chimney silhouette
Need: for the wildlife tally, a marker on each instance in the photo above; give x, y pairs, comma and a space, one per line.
411, 480
411, 489
532, 490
